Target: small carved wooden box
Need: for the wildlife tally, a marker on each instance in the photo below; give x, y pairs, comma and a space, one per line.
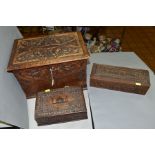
120, 78
60, 105
52, 61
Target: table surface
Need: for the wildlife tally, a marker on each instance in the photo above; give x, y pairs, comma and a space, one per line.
80, 124
111, 109
120, 110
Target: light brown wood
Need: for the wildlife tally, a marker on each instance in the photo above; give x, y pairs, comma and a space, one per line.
52, 61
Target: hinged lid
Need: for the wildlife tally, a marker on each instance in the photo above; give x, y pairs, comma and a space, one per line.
60, 105
120, 74
46, 50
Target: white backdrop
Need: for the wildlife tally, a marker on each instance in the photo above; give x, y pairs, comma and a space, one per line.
13, 106
120, 110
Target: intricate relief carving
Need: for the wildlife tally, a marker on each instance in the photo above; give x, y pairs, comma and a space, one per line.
71, 72
122, 73
37, 79
73, 66
60, 105
33, 74
120, 78
60, 102
34, 80
49, 47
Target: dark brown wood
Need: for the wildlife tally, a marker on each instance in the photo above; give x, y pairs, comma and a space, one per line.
60, 105
120, 78
52, 61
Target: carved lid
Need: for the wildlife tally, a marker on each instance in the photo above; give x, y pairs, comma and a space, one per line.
61, 101
46, 50
120, 74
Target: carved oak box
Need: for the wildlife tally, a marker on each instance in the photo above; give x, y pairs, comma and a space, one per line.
120, 78
51, 61
60, 105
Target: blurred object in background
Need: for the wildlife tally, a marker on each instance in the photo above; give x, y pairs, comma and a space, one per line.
97, 38
30, 31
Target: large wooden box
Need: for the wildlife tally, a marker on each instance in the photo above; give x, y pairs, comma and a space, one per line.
60, 105
49, 62
120, 78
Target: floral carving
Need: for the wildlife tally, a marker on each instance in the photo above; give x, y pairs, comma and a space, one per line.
44, 48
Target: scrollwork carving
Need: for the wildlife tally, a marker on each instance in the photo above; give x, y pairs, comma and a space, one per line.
49, 47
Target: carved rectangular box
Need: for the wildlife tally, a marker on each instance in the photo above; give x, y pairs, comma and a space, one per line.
60, 105
120, 78
51, 61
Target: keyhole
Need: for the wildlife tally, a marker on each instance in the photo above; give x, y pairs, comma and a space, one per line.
60, 100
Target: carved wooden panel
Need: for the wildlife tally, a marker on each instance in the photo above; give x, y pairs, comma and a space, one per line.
60, 105
120, 78
70, 73
33, 80
55, 76
49, 47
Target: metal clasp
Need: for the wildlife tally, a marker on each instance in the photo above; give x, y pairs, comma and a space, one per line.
52, 76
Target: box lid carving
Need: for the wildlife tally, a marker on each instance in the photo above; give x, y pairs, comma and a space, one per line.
45, 50
60, 102
120, 74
